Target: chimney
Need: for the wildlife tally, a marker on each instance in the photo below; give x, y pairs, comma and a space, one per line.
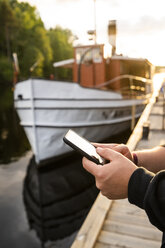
112, 35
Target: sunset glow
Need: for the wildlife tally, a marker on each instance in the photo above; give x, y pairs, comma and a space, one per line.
140, 24
158, 79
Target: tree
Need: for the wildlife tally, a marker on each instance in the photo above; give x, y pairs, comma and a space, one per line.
22, 31
61, 41
31, 41
8, 24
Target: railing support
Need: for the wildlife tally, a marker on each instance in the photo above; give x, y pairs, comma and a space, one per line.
133, 117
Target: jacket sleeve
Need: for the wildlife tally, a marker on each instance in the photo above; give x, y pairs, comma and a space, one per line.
147, 191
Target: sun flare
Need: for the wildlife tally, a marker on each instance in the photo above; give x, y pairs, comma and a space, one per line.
158, 80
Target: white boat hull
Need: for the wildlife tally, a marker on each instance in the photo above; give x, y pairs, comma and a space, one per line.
47, 109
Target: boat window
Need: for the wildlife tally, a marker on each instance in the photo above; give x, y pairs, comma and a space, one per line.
94, 54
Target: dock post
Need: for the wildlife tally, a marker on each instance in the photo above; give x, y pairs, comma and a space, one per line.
146, 130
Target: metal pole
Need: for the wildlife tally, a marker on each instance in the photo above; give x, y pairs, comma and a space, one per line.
95, 35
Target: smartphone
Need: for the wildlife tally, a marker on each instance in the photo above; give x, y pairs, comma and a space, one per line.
83, 146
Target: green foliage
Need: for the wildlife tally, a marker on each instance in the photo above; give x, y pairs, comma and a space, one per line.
22, 31
6, 70
8, 24
31, 56
62, 47
6, 74
60, 43
31, 40
6, 100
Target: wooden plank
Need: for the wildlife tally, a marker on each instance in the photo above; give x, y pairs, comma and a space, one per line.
132, 230
125, 218
90, 229
126, 241
128, 209
102, 245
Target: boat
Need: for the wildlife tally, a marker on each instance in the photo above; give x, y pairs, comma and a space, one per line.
47, 109
107, 92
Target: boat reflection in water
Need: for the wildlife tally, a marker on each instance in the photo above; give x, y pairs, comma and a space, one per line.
58, 197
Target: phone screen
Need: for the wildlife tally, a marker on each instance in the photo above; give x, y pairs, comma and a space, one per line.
84, 145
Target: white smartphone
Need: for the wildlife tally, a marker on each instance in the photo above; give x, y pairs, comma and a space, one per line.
83, 146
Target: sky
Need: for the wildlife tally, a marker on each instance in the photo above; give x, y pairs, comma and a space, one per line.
140, 23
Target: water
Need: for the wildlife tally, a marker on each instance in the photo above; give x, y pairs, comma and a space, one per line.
14, 158
14, 228
13, 142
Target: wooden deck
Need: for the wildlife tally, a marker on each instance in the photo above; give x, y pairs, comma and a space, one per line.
118, 224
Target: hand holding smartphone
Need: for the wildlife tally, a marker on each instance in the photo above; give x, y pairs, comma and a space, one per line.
83, 146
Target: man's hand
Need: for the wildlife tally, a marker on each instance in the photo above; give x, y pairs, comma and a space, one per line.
112, 178
123, 149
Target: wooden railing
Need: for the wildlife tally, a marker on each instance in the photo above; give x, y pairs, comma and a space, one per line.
130, 85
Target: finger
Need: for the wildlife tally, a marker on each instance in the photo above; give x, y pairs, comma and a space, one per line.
104, 145
107, 153
123, 149
90, 166
120, 148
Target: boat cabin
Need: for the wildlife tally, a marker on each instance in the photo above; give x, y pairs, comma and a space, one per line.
91, 68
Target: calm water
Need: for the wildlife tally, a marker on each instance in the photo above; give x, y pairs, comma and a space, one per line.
13, 142
14, 159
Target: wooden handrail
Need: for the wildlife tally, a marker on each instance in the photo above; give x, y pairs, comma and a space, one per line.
130, 77
89, 231
137, 132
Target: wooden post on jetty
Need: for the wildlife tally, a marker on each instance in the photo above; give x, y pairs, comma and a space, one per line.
133, 117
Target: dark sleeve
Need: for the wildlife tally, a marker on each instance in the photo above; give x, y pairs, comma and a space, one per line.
147, 191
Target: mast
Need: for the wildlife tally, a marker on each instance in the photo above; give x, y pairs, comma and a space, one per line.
92, 33
95, 33
112, 35
16, 69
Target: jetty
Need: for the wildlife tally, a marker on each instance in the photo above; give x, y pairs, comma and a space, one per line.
118, 223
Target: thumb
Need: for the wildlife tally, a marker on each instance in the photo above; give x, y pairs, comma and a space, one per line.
90, 166
107, 153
